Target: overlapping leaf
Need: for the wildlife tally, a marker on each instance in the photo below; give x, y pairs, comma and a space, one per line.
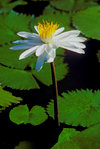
12, 23
65, 5
62, 19
87, 139
21, 114
37, 115
22, 74
17, 79
72, 5
48, 10
88, 23
78, 108
6, 98
10, 58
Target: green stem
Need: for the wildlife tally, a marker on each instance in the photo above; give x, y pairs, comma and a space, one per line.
55, 90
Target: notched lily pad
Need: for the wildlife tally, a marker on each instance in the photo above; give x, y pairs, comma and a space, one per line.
78, 108
15, 73
6, 98
11, 23
88, 23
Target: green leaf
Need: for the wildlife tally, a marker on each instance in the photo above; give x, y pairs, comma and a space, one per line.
49, 10
19, 114
6, 98
67, 133
87, 139
83, 4
65, 139
72, 5
10, 58
62, 19
11, 24
78, 108
65, 5
7, 5
88, 23
17, 79
37, 115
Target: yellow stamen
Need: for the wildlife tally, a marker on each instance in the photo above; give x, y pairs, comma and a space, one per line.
47, 29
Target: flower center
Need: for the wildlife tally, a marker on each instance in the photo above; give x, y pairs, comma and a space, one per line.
46, 31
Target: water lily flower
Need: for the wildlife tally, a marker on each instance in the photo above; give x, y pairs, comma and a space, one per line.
45, 42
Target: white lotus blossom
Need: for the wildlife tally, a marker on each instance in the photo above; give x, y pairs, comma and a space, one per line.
45, 42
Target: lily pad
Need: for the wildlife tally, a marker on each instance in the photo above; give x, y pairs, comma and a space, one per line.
37, 115
72, 5
17, 79
6, 98
88, 139
22, 74
19, 114
22, 115
78, 108
88, 23
12, 23
65, 5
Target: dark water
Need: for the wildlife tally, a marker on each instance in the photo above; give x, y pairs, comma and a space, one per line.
83, 74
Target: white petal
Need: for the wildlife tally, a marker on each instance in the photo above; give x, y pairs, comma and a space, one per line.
82, 39
36, 28
58, 31
51, 55
66, 34
79, 45
50, 59
21, 47
41, 49
28, 52
72, 48
29, 42
76, 44
40, 61
21, 41
73, 39
28, 35
77, 39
